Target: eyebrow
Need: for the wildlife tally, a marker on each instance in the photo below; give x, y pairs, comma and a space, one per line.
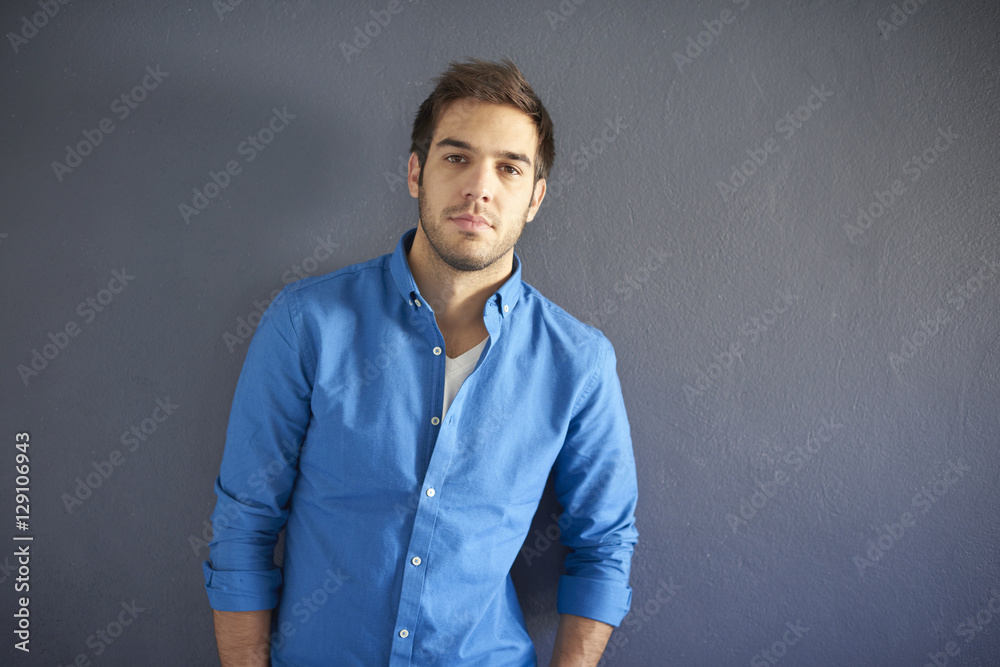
464, 145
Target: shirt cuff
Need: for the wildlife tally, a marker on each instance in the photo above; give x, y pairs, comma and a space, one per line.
603, 601
241, 591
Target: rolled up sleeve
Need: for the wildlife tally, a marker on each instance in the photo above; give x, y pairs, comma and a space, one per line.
269, 417
595, 481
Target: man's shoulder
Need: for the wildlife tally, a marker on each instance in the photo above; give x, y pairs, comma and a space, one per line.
344, 278
557, 321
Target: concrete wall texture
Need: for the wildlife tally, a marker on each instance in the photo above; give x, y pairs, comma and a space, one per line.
783, 215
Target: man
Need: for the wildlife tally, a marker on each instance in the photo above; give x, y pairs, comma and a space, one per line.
399, 418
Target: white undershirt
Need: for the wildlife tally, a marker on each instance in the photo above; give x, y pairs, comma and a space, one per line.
456, 370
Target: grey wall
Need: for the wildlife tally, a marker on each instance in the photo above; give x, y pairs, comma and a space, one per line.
813, 399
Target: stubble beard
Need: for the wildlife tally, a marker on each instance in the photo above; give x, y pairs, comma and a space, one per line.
452, 257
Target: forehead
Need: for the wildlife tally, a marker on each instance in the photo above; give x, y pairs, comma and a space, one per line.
493, 127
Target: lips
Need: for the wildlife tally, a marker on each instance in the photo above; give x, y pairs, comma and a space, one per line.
471, 223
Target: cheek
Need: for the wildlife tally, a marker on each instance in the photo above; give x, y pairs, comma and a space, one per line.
517, 198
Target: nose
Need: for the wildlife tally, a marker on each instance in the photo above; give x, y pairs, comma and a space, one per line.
480, 183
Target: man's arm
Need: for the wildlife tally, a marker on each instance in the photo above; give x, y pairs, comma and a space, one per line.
243, 637
268, 420
580, 641
595, 481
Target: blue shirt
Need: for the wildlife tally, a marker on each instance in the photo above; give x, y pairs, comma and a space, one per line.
401, 528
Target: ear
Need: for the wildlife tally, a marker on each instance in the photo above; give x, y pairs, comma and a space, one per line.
413, 175
539, 195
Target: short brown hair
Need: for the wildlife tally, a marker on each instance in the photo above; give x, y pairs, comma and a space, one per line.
496, 83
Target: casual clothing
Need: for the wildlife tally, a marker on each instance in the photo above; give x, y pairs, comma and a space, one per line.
401, 525
456, 370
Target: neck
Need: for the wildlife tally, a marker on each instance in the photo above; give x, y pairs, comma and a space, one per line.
457, 297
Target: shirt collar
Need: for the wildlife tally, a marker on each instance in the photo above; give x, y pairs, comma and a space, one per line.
503, 300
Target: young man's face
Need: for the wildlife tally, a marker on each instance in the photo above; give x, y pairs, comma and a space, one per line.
478, 186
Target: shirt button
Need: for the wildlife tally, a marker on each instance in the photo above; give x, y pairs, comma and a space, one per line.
416, 301
437, 350
506, 308
430, 493
435, 421
415, 560
404, 633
